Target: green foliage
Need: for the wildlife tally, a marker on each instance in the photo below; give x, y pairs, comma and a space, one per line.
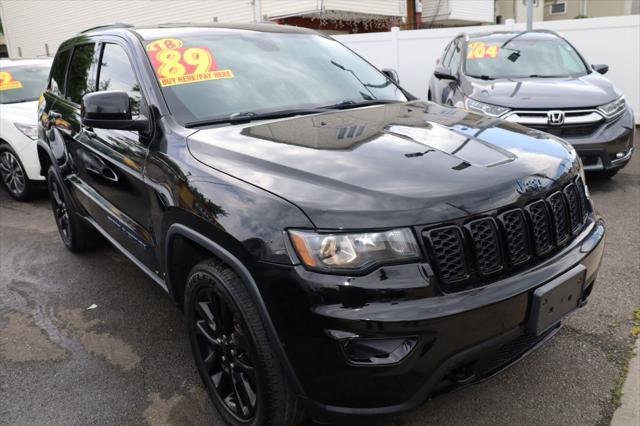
635, 328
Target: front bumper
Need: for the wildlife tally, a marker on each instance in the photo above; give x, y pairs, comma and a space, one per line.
458, 338
609, 147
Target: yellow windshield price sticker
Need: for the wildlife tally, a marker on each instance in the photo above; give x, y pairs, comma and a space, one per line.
175, 65
481, 50
7, 82
164, 44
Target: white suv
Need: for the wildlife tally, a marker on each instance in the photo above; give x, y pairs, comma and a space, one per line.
21, 83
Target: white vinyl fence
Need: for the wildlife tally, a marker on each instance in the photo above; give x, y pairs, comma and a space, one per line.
614, 41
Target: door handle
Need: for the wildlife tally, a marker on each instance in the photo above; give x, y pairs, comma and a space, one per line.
104, 173
95, 165
109, 174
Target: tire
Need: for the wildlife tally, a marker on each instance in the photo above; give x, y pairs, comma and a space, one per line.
76, 234
232, 352
13, 176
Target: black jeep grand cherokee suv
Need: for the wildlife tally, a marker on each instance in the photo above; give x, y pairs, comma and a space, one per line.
335, 244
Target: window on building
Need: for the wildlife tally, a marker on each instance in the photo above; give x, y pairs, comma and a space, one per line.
79, 82
558, 8
116, 73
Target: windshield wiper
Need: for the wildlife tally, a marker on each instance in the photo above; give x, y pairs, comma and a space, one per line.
547, 76
348, 104
246, 117
482, 77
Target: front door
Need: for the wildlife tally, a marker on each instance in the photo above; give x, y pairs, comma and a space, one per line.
110, 163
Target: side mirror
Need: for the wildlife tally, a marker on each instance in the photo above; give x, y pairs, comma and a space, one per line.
601, 68
442, 73
392, 74
110, 110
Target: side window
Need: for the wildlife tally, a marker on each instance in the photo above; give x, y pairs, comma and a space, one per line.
446, 58
58, 70
455, 57
79, 82
116, 73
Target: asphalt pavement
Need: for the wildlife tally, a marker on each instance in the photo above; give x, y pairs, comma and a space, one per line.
89, 339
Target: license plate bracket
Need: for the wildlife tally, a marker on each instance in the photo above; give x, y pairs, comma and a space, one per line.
554, 300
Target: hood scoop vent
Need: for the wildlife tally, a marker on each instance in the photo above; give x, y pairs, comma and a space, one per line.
349, 132
468, 149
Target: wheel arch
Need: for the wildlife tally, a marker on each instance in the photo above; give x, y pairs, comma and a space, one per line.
199, 246
44, 159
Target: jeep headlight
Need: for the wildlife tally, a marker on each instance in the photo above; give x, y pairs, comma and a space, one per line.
353, 251
487, 109
613, 108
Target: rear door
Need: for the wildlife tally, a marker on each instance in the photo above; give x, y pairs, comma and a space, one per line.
71, 77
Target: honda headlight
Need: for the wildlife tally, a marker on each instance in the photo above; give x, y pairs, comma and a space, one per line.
29, 130
487, 109
614, 108
353, 251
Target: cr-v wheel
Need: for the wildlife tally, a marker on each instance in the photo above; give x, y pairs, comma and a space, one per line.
13, 176
231, 350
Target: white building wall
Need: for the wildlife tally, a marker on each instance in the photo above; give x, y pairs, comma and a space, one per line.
438, 8
458, 10
374, 7
612, 40
474, 11
29, 24
286, 8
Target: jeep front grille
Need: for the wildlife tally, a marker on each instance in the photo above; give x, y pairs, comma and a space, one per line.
486, 245
516, 231
494, 246
448, 249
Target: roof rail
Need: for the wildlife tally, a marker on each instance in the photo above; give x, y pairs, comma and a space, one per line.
114, 25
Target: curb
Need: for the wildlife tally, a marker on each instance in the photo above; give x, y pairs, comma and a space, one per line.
628, 414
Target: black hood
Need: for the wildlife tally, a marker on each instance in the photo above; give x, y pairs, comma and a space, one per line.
390, 165
588, 91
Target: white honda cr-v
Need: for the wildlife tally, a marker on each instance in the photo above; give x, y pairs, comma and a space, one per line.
21, 83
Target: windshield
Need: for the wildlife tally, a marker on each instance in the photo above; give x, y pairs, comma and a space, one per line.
220, 73
521, 57
22, 83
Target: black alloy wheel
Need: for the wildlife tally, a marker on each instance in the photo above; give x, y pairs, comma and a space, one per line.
60, 212
76, 234
225, 352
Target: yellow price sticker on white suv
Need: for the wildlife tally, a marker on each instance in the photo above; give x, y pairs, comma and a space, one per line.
481, 50
7, 82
